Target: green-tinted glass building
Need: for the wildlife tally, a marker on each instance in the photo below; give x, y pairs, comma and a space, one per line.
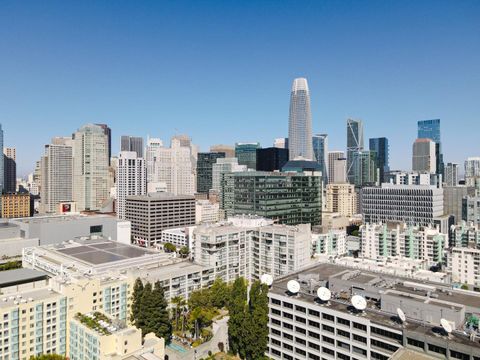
289, 198
246, 153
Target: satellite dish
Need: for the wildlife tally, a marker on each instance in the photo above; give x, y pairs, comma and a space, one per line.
266, 279
446, 326
324, 294
359, 302
401, 315
293, 286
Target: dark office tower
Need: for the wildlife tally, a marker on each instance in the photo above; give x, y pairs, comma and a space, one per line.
246, 153
132, 143
107, 132
320, 150
270, 159
354, 145
380, 147
10, 169
205, 163
430, 129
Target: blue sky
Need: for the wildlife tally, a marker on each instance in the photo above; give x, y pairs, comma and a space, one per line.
221, 71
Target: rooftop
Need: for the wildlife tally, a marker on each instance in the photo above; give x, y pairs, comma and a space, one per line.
100, 323
24, 297
20, 276
160, 196
60, 218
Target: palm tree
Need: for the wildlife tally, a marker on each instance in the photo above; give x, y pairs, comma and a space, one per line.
179, 303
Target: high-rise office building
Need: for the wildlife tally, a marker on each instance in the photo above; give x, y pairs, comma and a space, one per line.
354, 145
2, 173
90, 167
380, 146
222, 167
107, 132
16, 205
246, 153
57, 175
412, 204
227, 149
270, 159
451, 174
365, 171
131, 179
10, 169
320, 151
205, 163
151, 157
472, 170
132, 143
430, 129
423, 157
300, 121
176, 166
337, 167
289, 198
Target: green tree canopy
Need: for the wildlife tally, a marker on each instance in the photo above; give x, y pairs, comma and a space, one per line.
169, 247
48, 357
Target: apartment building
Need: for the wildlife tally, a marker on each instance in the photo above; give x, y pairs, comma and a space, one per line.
341, 199
16, 205
331, 243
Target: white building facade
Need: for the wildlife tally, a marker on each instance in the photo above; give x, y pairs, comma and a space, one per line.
131, 179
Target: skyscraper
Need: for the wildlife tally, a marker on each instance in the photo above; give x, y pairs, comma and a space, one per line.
300, 121
246, 153
320, 151
107, 132
56, 173
205, 163
354, 145
423, 158
131, 179
380, 146
151, 155
430, 129
337, 167
451, 174
132, 143
10, 169
365, 171
90, 167
271, 159
2, 175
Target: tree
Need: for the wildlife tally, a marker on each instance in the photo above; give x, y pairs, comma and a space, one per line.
237, 312
136, 296
184, 251
144, 312
179, 303
48, 357
219, 293
160, 320
169, 248
464, 287
256, 337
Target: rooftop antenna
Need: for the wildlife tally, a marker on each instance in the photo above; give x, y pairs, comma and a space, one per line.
293, 287
401, 315
324, 294
266, 279
446, 326
359, 302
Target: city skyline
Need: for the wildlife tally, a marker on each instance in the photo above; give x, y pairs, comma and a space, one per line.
140, 88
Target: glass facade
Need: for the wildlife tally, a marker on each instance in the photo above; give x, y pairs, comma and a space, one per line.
205, 163
354, 144
270, 159
430, 129
300, 121
246, 153
320, 150
380, 147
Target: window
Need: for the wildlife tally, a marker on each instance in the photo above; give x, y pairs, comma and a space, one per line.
416, 343
300, 308
358, 350
287, 305
386, 333
328, 317
314, 324
300, 319
360, 326
359, 338
382, 345
328, 351
300, 330
342, 356
328, 340
276, 302
343, 333
300, 351
341, 344
313, 313
300, 341
458, 355
343, 321
328, 328
314, 346
375, 355
437, 349
314, 335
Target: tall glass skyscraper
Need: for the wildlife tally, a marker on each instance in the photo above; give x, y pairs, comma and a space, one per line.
300, 121
320, 151
380, 147
246, 153
354, 145
430, 129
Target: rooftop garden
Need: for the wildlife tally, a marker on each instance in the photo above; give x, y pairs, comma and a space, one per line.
96, 321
